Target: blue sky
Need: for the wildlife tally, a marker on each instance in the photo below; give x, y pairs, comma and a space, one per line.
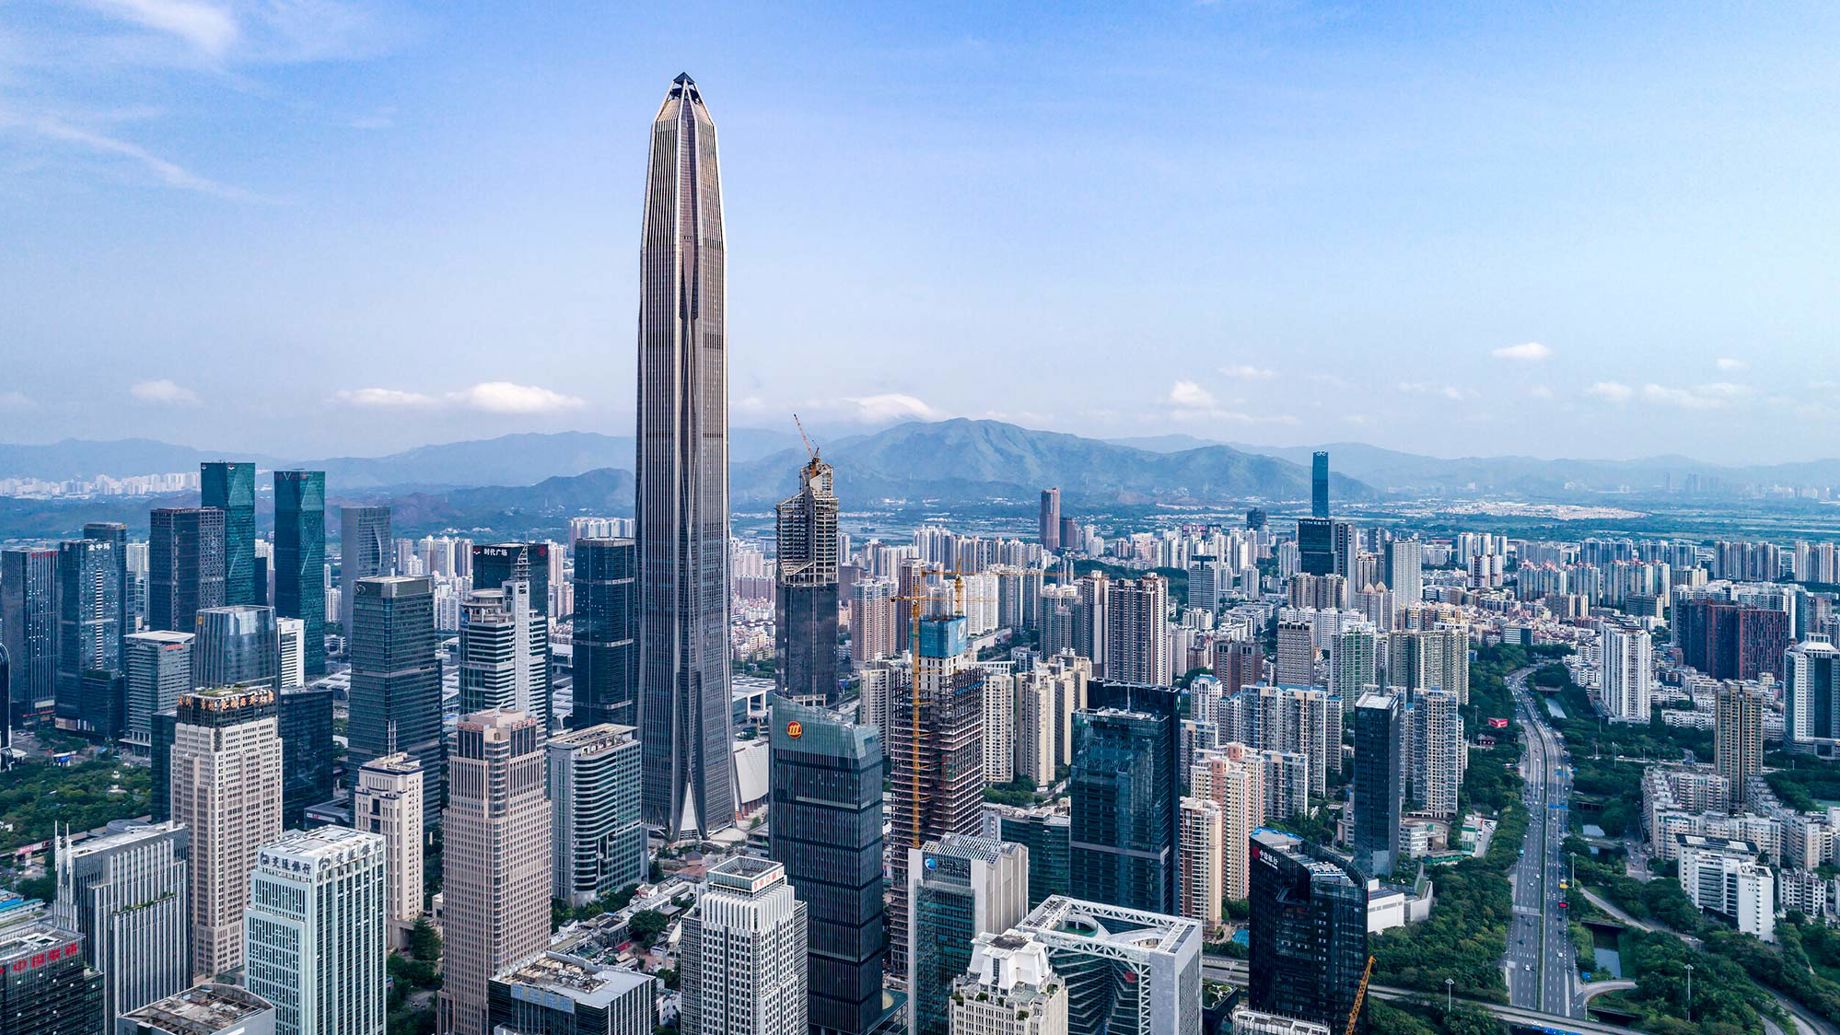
313, 226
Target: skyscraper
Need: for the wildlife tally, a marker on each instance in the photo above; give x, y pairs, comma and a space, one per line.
741, 954
364, 552
572, 995
1316, 546
309, 756
1009, 989
396, 680
682, 476
825, 800
89, 630
300, 560
1405, 569
226, 789
185, 565
29, 628
960, 887
1296, 653
606, 678
159, 668
1438, 659
1233, 778
1046, 834
495, 564
805, 627
231, 488
504, 653
125, 893
1738, 741
1728, 640
1439, 753
1319, 484
1136, 633
1627, 672
315, 931
1811, 689
1128, 972
1309, 931
1379, 785
46, 987
236, 645
115, 534
1050, 527
1126, 797
1200, 852
387, 801
496, 857
291, 652
597, 840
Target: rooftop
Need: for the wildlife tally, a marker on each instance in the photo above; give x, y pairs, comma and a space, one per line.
201, 1010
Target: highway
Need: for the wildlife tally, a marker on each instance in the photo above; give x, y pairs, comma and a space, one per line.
1539, 964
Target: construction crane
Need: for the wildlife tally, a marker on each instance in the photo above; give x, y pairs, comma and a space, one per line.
810, 449
1360, 994
916, 603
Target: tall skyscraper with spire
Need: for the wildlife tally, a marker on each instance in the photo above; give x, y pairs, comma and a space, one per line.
682, 465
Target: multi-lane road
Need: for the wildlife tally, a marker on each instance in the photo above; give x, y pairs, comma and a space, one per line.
1540, 961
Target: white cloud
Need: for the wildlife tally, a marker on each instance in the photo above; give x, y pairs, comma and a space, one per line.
170, 173
1610, 391
891, 406
1248, 372
1526, 352
1451, 392
505, 397
382, 398
165, 392
1190, 396
207, 27
1728, 363
1715, 396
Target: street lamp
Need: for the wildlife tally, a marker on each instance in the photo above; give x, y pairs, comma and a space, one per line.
1689, 993
1448, 982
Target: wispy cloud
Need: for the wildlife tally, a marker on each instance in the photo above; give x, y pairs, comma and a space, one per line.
1443, 391
1727, 363
1610, 391
382, 398
165, 392
887, 407
1248, 372
209, 28
1526, 352
172, 174
1716, 396
501, 397
1190, 396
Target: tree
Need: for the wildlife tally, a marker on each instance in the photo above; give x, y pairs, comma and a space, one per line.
646, 925
424, 943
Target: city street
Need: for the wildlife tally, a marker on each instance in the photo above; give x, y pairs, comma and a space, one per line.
1539, 963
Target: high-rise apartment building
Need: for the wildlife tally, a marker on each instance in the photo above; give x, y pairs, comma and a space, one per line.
805, 583
1129, 972
396, 680
1296, 654
504, 653
1136, 632
1379, 782
231, 488
1009, 989
1233, 778
1729, 640
825, 800
874, 617
1405, 569
1439, 753
1627, 672
1238, 663
236, 646
1309, 931
1126, 792
89, 628
1437, 659
316, 931
46, 985
1354, 654
300, 561
1049, 531
1811, 695
387, 801
364, 552
1738, 737
185, 565
226, 789
741, 955
1198, 864
606, 676
125, 893
682, 476
496, 860
597, 842
960, 887
29, 628
1037, 727
1319, 484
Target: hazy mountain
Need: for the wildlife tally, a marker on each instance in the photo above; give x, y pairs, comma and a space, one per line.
1175, 443
85, 458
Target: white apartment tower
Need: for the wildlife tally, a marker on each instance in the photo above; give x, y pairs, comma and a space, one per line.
315, 931
388, 802
742, 954
1438, 751
1199, 852
1628, 669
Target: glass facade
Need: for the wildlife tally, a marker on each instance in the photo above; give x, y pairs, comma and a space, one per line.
498, 563
1316, 546
185, 565
395, 692
1308, 939
606, 649
1126, 814
236, 646
89, 631
308, 754
1379, 787
1319, 484
28, 624
231, 488
1047, 836
300, 560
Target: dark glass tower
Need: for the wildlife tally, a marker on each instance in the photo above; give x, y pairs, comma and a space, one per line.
231, 488
1319, 484
1308, 943
89, 633
396, 681
1316, 546
116, 535
1126, 815
28, 626
1049, 525
499, 563
682, 475
300, 560
805, 630
308, 754
826, 829
606, 654
1047, 836
364, 551
1379, 787
236, 646
185, 565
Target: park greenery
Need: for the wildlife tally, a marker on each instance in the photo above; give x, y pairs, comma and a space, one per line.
37, 795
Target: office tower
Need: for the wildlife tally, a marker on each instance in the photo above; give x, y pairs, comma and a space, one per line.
263, 574
1199, 853
935, 749
125, 893
1296, 654
1256, 519
1136, 632
309, 756
741, 954
1009, 989
159, 757
960, 887
1128, 972
496, 861
498, 563
315, 931
1738, 740
202, 1010
1345, 543
1233, 778
290, 659
805, 637
1126, 815
159, 669
1811, 687
1316, 546
46, 985
1439, 752
364, 552
1319, 484
387, 801
236, 646
1379, 786
504, 653
596, 837
300, 561
89, 629
1238, 663
396, 680
115, 534
606, 679
1048, 837
1627, 672
6, 710
1438, 659
1050, 525
825, 804
185, 565
231, 488
100, 698
1405, 567
226, 788
1309, 931
29, 628
682, 476
558, 994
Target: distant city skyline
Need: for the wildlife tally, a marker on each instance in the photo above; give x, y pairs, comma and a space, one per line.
1477, 232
